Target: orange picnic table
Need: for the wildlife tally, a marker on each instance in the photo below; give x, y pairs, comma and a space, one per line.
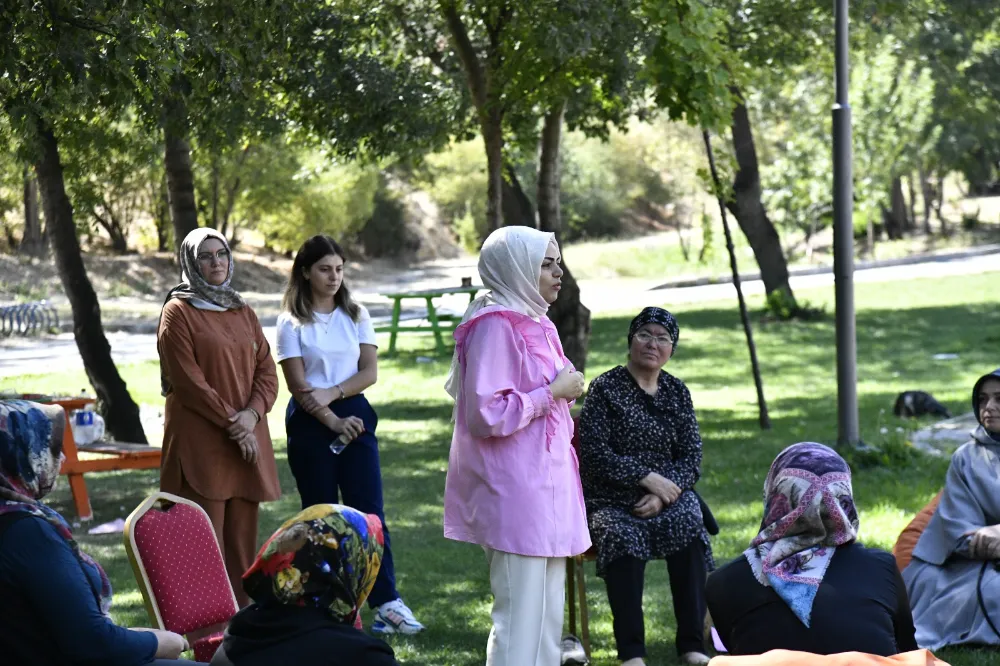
113, 455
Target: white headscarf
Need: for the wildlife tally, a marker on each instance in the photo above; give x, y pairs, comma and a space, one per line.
510, 265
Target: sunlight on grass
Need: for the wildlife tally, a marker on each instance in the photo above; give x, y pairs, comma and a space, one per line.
900, 327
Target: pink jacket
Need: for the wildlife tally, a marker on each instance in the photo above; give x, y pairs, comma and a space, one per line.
513, 478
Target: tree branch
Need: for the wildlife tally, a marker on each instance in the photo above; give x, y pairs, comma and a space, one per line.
93, 26
467, 53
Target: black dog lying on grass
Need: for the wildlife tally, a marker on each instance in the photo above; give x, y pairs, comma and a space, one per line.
911, 404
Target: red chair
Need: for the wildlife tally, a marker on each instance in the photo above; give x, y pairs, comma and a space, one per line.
180, 570
576, 583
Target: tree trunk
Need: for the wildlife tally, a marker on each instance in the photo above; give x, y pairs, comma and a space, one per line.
939, 203
570, 316
481, 79
749, 210
911, 200
517, 207
119, 241
160, 205
896, 218
33, 239
927, 194
215, 197
180, 177
763, 417
121, 414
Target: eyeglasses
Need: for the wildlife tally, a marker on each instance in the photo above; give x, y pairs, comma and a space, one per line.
661, 340
207, 257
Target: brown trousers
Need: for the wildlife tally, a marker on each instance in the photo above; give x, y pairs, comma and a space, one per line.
235, 524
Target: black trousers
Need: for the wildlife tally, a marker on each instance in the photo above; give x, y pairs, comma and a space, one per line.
625, 578
354, 476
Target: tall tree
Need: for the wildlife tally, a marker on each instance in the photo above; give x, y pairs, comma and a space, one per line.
62, 60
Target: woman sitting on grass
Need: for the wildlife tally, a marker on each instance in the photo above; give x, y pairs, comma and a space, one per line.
952, 580
804, 583
54, 599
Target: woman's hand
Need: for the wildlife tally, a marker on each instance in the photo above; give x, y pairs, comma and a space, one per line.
350, 426
168, 644
313, 400
249, 448
985, 543
662, 487
568, 384
649, 506
241, 424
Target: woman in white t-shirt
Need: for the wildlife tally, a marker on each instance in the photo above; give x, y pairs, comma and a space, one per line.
326, 348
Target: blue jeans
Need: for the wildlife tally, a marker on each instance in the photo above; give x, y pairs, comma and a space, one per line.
355, 475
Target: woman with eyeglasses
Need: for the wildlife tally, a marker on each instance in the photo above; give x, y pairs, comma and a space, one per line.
640, 456
220, 382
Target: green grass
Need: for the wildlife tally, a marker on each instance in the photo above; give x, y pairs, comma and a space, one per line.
659, 256
901, 326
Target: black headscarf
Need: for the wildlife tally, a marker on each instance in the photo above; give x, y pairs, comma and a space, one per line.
654, 315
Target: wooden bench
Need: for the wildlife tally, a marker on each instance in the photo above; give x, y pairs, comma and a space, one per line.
114, 456
439, 323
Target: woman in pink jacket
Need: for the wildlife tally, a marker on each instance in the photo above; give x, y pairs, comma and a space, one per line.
513, 483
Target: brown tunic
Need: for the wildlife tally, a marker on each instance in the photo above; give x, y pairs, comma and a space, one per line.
217, 364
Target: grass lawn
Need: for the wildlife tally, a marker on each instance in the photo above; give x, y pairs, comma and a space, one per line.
900, 327
659, 256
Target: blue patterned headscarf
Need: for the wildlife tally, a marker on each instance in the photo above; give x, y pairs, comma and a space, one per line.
30, 457
808, 511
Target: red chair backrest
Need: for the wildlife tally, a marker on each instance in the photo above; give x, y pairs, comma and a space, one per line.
179, 556
576, 433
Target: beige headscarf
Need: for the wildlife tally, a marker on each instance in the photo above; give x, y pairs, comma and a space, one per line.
510, 265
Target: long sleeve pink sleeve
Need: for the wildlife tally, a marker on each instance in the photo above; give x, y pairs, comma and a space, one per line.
493, 362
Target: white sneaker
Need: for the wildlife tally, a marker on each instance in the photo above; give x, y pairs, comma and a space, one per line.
572, 651
696, 658
395, 618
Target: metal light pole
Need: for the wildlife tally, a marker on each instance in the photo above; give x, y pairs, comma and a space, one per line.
848, 434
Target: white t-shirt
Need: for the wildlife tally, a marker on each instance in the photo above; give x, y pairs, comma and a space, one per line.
330, 346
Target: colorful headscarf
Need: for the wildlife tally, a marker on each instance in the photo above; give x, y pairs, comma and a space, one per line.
327, 556
30, 457
808, 511
654, 315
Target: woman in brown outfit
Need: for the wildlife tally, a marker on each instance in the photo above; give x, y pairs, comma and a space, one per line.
219, 381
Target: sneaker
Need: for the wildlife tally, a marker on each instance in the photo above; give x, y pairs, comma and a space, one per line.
696, 658
572, 651
395, 618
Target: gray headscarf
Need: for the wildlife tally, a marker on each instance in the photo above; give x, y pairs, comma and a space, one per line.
195, 290
193, 287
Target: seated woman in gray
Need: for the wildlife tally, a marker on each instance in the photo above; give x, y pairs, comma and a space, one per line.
952, 582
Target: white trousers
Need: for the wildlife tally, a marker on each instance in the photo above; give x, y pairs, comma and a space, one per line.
529, 595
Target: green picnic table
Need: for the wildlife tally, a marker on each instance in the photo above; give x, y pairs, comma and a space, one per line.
439, 323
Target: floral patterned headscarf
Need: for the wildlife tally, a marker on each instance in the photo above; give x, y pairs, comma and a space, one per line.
808, 511
30, 458
327, 556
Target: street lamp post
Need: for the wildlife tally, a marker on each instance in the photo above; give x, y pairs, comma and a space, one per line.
848, 434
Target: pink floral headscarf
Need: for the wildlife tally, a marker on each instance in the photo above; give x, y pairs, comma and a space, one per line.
808, 511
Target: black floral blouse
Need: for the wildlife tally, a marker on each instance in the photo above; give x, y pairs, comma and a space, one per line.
625, 434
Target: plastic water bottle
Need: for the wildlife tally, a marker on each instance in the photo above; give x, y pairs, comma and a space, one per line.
83, 426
